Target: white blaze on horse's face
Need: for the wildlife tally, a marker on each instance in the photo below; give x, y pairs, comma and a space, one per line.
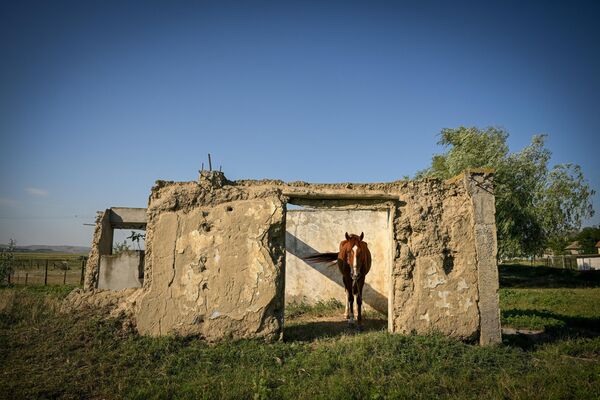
354, 264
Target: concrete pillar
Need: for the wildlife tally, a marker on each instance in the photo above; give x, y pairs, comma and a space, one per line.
480, 186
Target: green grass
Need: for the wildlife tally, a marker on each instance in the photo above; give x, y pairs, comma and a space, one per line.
44, 354
576, 309
321, 308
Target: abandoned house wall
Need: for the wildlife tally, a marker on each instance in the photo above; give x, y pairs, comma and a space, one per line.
434, 274
215, 254
310, 231
214, 261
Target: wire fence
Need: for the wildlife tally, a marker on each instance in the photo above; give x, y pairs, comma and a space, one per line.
564, 261
49, 271
581, 262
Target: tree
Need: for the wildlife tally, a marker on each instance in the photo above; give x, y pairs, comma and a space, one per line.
535, 205
136, 237
587, 238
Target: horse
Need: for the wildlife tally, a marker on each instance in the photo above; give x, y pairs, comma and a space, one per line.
354, 262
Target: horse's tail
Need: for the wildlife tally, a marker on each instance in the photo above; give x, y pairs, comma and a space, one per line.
321, 257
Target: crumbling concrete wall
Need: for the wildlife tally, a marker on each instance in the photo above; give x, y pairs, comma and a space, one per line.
121, 271
314, 230
434, 274
101, 245
215, 255
214, 261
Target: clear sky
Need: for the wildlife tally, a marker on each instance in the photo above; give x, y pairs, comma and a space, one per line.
100, 99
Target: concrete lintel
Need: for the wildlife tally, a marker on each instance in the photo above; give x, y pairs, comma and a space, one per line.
341, 196
128, 218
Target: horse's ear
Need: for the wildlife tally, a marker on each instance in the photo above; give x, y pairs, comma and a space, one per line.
362, 235
347, 237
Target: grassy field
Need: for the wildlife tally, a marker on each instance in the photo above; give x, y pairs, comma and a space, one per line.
32, 261
554, 352
62, 267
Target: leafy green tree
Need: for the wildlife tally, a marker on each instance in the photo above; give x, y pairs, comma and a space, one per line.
535, 204
588, 237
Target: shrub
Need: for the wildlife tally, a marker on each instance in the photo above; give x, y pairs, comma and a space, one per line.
7, 260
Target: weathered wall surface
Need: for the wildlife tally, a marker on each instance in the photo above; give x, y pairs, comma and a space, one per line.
435, 283
101, 245
121, 271
321, 230
214, 262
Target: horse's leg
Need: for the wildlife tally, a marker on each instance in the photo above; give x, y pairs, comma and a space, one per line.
351, 306
346, 312
349, 299
361, 284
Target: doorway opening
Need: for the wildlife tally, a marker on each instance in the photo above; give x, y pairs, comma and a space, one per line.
315, 296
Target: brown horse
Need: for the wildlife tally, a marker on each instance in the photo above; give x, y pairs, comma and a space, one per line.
354, 262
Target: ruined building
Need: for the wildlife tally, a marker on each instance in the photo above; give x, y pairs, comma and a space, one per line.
222, 257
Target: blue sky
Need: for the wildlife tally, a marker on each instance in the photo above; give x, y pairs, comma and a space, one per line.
100, 99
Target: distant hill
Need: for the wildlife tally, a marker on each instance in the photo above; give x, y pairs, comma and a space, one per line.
41, 248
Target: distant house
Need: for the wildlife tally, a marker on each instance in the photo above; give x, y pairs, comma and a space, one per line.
574, 248
585, 262
548, 252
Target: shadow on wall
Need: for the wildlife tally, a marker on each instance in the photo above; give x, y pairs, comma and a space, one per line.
300, 249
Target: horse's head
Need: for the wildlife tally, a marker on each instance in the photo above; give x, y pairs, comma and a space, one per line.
355, 254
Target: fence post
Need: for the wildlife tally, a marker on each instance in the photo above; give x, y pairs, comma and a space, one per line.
65, 277
9, 277
46, 274
563, 261
26, 277
82, 271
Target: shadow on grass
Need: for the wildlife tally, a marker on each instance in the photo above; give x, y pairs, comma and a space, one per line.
521, 276
550, 327
307, 331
